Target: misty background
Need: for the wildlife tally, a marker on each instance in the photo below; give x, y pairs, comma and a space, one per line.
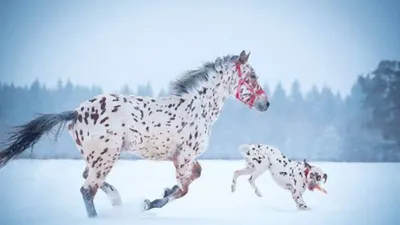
329, 68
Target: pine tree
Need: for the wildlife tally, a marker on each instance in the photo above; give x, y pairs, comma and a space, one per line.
382, 90
125, 90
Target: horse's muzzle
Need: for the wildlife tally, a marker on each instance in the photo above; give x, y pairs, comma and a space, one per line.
262, 105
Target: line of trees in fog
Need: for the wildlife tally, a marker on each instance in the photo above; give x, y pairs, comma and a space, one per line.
318, 125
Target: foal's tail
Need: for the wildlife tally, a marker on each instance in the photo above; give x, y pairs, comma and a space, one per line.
26, 135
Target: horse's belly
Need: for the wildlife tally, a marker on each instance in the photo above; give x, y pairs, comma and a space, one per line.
150, 152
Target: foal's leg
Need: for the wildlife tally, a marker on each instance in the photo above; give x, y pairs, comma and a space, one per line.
246, 171
107, 188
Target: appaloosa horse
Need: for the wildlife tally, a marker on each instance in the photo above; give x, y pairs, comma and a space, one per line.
175, 128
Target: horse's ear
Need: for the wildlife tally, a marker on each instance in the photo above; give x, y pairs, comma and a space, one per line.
243, 57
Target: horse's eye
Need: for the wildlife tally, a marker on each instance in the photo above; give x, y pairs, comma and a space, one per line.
318, 177
252, 76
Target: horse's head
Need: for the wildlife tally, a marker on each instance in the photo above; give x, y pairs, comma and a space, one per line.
246, 87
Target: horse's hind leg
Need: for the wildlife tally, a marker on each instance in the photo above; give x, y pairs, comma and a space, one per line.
98, 170
88, 191
107, 188
100, 157
112, 193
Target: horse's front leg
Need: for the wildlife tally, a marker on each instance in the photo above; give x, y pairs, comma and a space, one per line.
185, 174
185, 181
195, 173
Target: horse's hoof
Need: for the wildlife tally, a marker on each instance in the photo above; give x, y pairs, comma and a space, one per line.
166, 192
116, 202
304, 208
170, 191
92, 214
147, 205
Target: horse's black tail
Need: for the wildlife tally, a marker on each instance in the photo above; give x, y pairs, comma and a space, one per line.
25, 136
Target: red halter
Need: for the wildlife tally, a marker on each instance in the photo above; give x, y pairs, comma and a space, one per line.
250, 101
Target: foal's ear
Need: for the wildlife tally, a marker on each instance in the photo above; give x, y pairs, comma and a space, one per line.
244, 57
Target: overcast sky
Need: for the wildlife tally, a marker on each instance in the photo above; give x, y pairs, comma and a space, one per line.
112, 43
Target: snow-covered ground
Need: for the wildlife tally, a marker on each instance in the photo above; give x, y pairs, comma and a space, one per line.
47, 192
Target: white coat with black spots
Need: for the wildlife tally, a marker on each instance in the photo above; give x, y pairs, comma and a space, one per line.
293, 176
175, 128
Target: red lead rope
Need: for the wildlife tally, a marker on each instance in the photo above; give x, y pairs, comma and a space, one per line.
249, 102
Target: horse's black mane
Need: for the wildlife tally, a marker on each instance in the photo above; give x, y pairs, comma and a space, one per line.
192, 78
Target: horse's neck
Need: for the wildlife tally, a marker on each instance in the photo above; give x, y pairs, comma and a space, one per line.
212, 98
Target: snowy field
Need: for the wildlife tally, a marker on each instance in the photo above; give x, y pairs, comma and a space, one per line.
46, 192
